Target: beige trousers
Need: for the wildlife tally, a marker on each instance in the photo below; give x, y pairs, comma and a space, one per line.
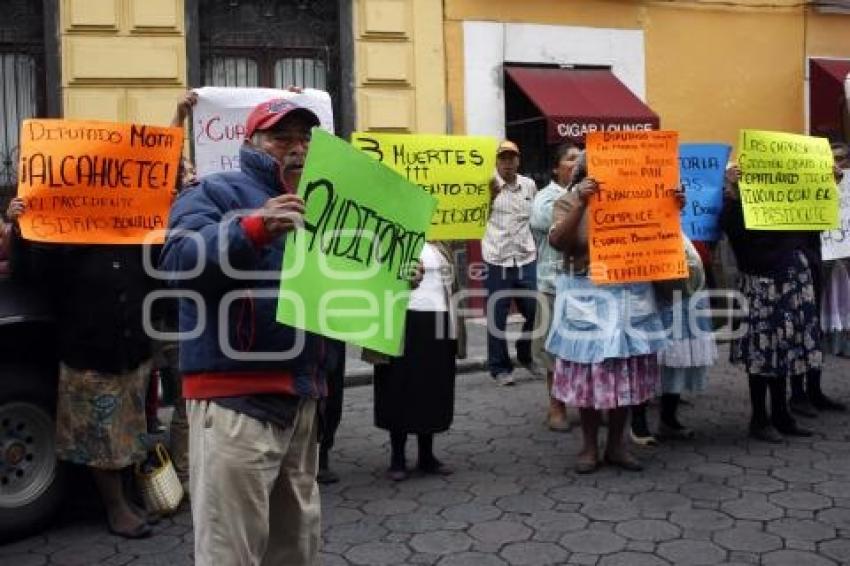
255, 500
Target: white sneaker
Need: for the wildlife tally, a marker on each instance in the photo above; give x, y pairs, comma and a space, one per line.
533, 369
505, 379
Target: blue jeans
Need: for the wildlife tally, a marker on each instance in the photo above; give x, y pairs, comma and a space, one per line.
506, 279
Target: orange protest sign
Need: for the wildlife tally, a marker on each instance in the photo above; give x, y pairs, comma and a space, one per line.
86, 182
634, 227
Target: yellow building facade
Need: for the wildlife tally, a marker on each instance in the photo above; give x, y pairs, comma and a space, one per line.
400, 66
707, 69
128, 60
122, 60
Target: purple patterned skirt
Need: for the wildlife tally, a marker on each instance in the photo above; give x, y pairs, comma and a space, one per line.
612, 383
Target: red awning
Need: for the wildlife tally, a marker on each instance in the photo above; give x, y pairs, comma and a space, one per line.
577, 101
827, 99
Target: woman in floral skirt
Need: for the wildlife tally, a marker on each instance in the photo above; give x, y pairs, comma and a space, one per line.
782, 337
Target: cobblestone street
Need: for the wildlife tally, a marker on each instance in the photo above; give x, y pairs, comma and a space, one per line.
514, 499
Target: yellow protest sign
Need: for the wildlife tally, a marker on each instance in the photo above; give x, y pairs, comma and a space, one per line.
634, 226
454, 169
787, 182
86, 182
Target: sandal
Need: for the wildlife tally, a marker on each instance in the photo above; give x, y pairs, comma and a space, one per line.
149, 518
628, 463
584, 468
585, 465
766, 433
142, 530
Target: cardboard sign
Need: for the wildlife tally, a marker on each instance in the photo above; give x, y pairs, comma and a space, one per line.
454, 169
345, 273
86, 182
634, 230
835, 244
218, 121
787, 182
702, 167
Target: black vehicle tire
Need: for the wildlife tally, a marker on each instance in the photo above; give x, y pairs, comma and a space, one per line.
32, 481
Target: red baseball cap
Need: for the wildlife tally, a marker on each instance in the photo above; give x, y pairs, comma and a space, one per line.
266, 114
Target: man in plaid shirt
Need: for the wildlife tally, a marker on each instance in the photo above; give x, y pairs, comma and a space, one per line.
510, 254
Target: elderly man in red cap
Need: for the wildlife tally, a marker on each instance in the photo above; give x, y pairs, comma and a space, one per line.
252, 385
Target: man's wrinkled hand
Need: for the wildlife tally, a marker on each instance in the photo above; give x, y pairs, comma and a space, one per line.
184, 108
282, 214
586, 188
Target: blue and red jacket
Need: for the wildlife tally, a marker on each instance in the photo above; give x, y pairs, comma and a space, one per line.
226, 238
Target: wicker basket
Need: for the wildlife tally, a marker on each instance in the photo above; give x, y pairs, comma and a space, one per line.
161, 489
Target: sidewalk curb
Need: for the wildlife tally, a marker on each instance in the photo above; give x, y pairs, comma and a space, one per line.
360, 377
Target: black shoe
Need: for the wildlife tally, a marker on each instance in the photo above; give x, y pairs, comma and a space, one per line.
155, 426
823, 403
802, 407
675, 431
434, 468
326, 476
397, 474
791, 429
766, 433
640, 429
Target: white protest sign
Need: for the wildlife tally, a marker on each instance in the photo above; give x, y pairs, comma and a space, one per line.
835, 244
218, 121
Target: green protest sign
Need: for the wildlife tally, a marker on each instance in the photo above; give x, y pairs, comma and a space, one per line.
344, 272
787, 182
